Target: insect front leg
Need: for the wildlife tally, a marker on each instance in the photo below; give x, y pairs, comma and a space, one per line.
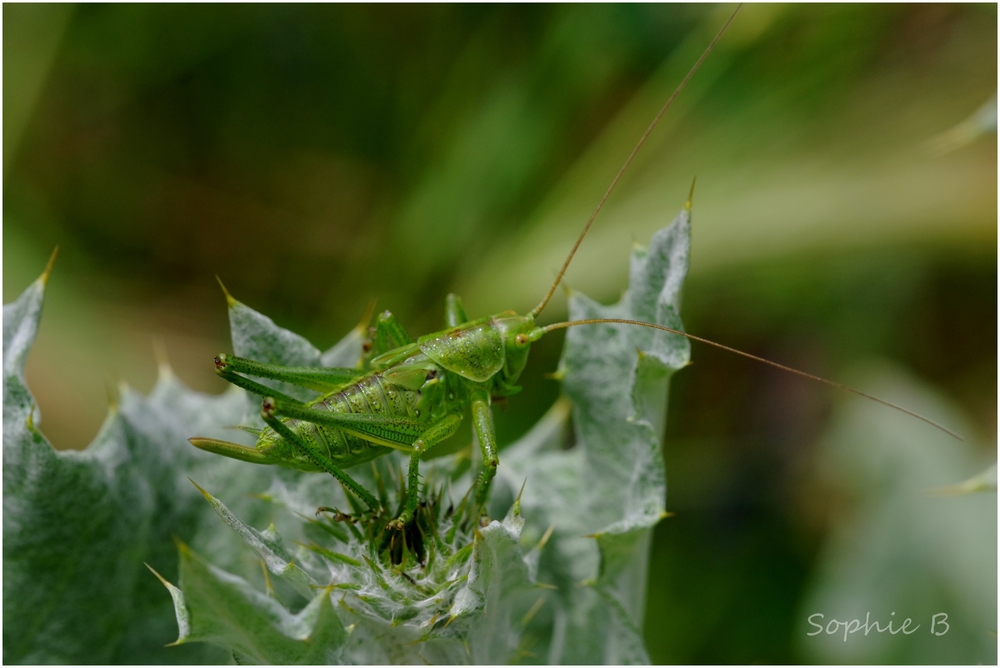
438, 432
482, 422
321, 379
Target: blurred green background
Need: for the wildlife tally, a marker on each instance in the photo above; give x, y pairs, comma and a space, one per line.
318, 157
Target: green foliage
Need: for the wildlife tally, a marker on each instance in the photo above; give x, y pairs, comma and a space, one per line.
561, 579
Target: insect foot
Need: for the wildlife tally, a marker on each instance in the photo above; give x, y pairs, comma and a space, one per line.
338, 515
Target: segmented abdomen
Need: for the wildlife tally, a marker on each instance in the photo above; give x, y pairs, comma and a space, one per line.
370, 395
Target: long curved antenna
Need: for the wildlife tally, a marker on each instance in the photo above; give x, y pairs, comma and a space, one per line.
642, 140
595, 321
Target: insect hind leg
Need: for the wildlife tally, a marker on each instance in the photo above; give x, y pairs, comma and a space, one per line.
320, 379
313, 452
232, 450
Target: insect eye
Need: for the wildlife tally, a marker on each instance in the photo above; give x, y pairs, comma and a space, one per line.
521, 340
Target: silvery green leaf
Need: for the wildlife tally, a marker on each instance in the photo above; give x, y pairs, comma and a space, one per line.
257, 337
494, 591
219, 607
268, 545
901, 550
563, 583
604, 495
78, 525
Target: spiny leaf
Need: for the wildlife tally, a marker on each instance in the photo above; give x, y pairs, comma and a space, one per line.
611, 484
223, 608
257, 337
475, 596
79, 525
269, 547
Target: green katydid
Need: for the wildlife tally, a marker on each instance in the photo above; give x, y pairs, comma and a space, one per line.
412, 395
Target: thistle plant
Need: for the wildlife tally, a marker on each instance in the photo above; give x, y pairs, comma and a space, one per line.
254, 573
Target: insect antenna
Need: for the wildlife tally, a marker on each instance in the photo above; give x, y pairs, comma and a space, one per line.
839, 386
628, 161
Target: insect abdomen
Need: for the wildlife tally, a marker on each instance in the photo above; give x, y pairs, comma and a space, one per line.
370, 395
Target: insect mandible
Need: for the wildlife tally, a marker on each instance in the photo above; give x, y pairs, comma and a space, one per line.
412, 395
